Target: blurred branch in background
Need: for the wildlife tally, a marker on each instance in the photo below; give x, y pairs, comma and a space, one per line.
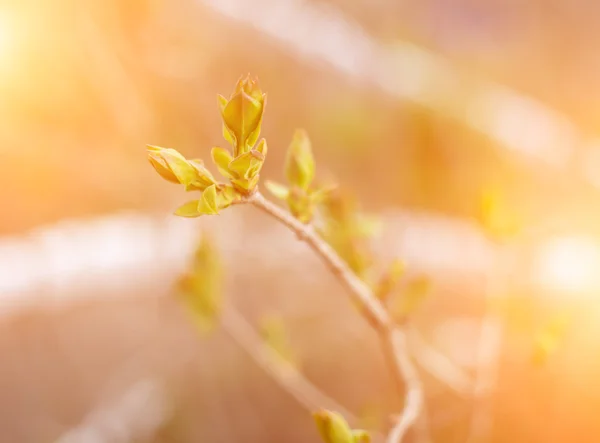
135, 416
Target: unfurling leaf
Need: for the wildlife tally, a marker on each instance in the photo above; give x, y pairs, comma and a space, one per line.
208, 203
174, 167
221, 158
242, 115
200, 288
300, 164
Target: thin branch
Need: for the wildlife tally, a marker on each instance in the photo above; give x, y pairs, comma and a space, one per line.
414, 391
393, 339
307, 394
375, 311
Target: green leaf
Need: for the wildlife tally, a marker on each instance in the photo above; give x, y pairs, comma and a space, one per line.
190, 209
300, 164
208, 203
221, 158
279, 191
332, 427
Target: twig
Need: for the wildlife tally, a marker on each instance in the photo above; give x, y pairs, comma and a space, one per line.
393, 339
307, 394
414, 391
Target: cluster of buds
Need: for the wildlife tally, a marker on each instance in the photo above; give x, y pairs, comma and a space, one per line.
348, 231
242, 116
301, 196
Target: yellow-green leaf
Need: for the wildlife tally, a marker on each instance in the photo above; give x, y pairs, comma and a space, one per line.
190, 209
242, 116
208, 203
244, 165
171, 165
221, 158
203, 178
332, 427
245, 186
278, 190
226, 195
300, 165
160, 164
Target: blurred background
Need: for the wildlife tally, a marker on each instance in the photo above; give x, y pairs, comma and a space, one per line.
413, 106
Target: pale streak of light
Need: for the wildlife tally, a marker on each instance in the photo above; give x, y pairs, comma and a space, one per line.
440, 366
135, 415
88, 251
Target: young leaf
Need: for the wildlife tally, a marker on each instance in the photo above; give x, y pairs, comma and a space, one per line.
242, 115
189, 209
221, 158
332, 427
208, 203
279, 191
300, 164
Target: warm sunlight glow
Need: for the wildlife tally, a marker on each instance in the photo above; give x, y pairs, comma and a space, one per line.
569, 266
6, 38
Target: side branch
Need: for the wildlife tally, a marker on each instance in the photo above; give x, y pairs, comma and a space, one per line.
375, 311
393, 339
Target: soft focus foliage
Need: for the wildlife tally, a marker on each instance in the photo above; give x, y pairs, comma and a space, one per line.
200, 287
333, 428
301, 196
